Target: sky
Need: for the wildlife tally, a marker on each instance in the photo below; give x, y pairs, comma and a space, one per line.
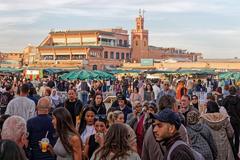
211, 27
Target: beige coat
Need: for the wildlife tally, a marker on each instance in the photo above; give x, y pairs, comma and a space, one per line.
221, 130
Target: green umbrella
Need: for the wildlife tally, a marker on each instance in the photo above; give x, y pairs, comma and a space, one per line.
236, 76
226, 75
69, 75
10, 70
103, 75
82, 75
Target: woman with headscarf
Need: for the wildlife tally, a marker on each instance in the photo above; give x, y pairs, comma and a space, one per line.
56, 101
200, 136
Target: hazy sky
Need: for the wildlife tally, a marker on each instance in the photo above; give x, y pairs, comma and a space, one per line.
208, 26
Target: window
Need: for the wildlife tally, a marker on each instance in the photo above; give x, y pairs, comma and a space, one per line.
78, 57
136, 43
105, 54
127, 56
47, 57
120, 42
122, 56
125, 43
112, 55
94, 67
117, 55
145, 43
93, 54
63, 57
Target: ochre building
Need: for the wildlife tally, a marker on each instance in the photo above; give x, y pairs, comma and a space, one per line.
91, 49
99, 49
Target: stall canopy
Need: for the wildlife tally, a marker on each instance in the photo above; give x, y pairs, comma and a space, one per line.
230, 75
103, 75
10, 70
182, 71
86, 75
118, 71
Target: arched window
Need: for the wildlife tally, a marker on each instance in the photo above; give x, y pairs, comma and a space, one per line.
127, 56
120, 42
122, 56
117, 55
111, 55
105, 54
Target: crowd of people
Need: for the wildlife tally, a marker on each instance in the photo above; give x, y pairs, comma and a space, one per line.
177, 119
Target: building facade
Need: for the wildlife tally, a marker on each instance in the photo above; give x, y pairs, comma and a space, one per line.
90, 49
11, 59
95, 49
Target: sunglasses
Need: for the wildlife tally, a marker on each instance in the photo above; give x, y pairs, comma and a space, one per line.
101, 117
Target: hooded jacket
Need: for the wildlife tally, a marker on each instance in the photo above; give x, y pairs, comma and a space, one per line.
221, 130
201, 140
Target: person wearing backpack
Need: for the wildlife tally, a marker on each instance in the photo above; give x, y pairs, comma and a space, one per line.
165, 129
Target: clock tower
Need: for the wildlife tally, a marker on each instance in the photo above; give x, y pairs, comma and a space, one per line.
139, 39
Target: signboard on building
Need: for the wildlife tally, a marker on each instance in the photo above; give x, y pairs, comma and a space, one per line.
32, 72
146, 62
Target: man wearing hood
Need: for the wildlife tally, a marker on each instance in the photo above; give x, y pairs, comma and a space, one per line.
232, 105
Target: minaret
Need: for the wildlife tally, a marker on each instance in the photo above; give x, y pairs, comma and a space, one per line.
139, 39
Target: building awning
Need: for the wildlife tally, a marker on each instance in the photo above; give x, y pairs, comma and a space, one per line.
46, 53
63, 53
79, 53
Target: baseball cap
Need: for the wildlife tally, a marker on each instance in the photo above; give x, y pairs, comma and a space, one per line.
167, 116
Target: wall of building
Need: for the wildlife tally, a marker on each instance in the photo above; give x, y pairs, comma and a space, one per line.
187, 65
12, 59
